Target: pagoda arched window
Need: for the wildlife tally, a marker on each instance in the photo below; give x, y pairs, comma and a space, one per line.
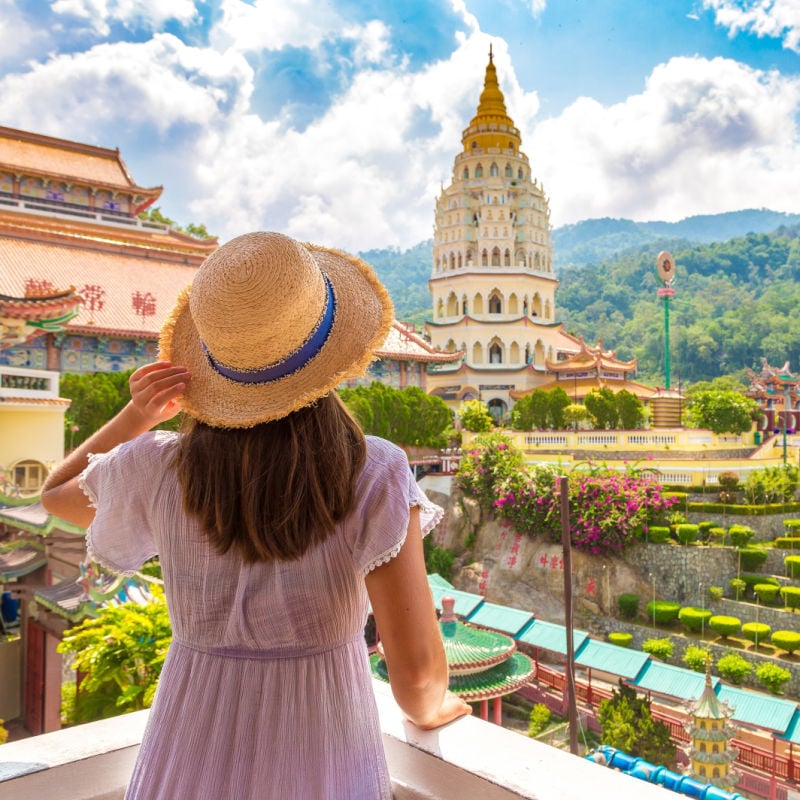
470, 257
507, 257
702, 771
513, 304
479, 171
715, 773
496, 257
538, 353
702, 747
536, 306
452, 261
452, 305
513, 353
520, 174
484, 258
525, 306
440, 308
547, 310
477, 353
450, 347
495, 303
521, 260
536, 260
477, 304
466, 173
509, 171
459, 260
495, 353
464, 306
494, 171
527, 354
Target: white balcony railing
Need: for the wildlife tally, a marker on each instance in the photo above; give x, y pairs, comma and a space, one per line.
28, 383
468, 759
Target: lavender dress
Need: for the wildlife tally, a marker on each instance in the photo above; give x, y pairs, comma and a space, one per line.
266, 691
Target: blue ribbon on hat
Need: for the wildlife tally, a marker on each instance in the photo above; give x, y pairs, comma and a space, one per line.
294, 361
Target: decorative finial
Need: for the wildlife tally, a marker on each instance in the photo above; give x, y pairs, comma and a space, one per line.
490, 52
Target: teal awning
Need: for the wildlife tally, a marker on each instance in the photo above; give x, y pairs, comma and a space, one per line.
466, 602
761, 710
549, 636
501, 618
665, 679
611, 658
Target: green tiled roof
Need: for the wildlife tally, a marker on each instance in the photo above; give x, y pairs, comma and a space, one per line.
549, 636
501, 618
498, 681
754, 708
611, 658
435, 579
466, 645
672, 681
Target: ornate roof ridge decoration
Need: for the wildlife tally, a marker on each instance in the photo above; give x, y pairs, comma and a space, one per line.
588, 358
402, 343
43, 309
467, 318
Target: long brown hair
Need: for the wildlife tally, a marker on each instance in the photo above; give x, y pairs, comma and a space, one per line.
273, 490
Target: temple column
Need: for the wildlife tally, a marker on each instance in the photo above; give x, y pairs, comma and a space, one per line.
498, 711
485, 710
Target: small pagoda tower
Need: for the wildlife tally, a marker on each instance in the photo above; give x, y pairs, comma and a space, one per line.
710, 755
484, 665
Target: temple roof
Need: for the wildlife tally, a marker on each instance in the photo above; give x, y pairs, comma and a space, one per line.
578, 388
46, 156
404, 344
591, 358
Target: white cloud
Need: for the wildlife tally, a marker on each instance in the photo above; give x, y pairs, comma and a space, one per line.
538, 7
705, 136
147, 14
19, 38
778, 19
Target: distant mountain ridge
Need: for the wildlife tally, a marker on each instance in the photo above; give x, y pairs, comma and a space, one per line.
595, 240
405, 273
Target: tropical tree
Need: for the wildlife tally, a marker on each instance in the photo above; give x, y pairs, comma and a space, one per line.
630, 410
627, 724
120, 653
721, 411
475, 416
407, 417
602, 407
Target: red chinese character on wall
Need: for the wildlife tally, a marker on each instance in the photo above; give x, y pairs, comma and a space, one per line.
554, 562
144, 304
543, 561
511, 561
38, 288
591, 587
93, 295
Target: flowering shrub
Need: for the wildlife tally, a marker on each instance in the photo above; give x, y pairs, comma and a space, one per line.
492, 466
608, 510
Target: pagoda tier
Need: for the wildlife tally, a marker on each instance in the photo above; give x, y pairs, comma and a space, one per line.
592, 361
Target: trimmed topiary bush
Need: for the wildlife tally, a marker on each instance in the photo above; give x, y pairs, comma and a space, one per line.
658, 534
792, 564
752, 558
658, 648
687, 533
791, 597
696, 657
734, 668
737, 587
704, 530
772, 676
766, 592
724, 626
717, 534
662, 612
756, 632
787, 542
715, 592
628, 605
792, 527
620, 639
740, 535
786, 640
694, 619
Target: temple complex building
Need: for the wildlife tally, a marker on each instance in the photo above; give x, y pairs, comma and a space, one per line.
492, 284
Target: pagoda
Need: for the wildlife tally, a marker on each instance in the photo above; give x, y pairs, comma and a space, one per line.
484, 665
492, 281
710, 755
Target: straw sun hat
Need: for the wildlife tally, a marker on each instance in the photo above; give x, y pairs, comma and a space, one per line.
269, 325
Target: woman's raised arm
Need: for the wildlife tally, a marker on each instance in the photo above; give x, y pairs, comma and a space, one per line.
406, 621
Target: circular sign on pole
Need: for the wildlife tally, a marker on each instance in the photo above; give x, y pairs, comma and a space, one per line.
666, 266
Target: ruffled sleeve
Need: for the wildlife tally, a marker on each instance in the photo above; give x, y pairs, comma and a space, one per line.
386, 493
121, 486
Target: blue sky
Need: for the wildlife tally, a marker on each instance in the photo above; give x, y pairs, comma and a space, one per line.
337, 122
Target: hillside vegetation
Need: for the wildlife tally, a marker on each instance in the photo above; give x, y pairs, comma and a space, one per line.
736, 298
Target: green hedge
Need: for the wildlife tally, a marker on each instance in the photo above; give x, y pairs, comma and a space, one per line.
740, 535
792, 527
737, 510
766, 592
725, 626
734, 668
694, 619
791, 596
786, 640
620, 639
793, 566
659, 648
787, 542
752, 558
658, 534
663, 611
756, 631
628, 604
687, 533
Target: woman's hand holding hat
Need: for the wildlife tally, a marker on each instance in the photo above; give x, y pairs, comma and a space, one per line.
156, 390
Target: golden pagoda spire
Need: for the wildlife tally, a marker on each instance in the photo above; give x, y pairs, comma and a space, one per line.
491, 126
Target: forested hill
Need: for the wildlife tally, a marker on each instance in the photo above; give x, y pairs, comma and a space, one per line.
737, 299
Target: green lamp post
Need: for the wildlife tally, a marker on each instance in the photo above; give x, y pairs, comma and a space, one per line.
665, 265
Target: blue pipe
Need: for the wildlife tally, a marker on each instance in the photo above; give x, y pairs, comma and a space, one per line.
645, 771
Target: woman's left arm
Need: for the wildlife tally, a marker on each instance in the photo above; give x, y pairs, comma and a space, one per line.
155, 392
